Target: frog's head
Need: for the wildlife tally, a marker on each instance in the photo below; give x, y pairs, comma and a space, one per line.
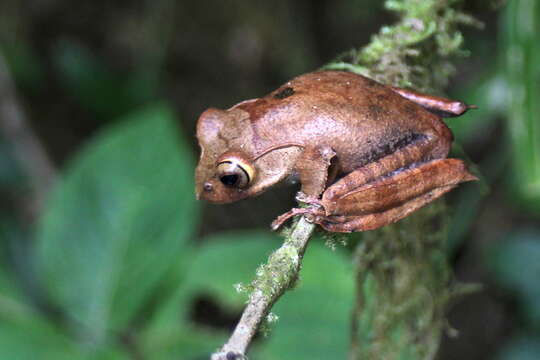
230, 169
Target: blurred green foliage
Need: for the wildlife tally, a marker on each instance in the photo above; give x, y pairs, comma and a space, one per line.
119, 202
93, 85
115, 267
521, 54
115, 254
515, 264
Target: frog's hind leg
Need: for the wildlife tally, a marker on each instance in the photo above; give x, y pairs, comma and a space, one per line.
418, 150
441, 106
315, 162
392, 197
429, 147
377, 220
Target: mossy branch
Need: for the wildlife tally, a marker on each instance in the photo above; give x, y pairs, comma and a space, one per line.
403, 280
271, 281
415, 52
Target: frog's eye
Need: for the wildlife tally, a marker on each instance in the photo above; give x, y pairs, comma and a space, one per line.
235, 172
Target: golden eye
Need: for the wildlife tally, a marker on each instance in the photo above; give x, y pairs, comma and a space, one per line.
235, 172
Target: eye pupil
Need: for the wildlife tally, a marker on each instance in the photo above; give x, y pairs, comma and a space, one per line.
235, 172
229, 180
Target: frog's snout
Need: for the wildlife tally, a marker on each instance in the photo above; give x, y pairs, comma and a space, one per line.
206, 189
215, 192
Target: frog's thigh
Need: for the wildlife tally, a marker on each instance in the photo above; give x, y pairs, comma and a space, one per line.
377, 220
399, 187
409, 154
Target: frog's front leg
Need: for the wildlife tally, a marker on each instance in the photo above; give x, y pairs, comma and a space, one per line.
315, 170
390, 198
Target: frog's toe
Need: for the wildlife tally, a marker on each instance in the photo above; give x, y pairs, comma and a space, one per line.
311, 213
307, 199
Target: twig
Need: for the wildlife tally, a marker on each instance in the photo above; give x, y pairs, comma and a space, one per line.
28, 150
272, 280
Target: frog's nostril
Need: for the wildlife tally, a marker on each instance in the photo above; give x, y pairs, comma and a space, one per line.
208, 187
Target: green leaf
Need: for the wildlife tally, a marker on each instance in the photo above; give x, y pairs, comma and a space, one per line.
228, 259
35, 339
13, 304
31, 337
117, 222
314, 318
515, 264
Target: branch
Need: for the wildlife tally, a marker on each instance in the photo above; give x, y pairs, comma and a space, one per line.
272, 280
27, 148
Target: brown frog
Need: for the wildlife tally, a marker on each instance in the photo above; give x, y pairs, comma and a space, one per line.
366, 154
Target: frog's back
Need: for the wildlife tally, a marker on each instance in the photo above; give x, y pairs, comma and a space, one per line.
339, 109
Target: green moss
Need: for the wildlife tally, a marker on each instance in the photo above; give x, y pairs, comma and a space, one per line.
415, 51
404, 284
279, 273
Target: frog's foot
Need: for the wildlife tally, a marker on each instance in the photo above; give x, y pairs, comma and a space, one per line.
307, 199
312, 214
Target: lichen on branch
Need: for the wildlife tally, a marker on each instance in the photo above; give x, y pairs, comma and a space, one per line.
417, 50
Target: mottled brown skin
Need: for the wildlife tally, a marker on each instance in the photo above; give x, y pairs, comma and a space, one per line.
366, 154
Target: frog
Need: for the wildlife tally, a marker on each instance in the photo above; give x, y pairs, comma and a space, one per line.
365, 154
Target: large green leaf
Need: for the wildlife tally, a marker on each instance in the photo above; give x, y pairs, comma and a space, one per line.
33, 338
24, 332
117, 222
27, 335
